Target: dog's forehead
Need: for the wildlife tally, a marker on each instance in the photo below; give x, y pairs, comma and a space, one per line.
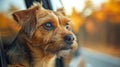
46, 16
51, 16
62, 19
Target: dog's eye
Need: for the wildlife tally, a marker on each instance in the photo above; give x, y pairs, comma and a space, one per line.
67, 26
48, 26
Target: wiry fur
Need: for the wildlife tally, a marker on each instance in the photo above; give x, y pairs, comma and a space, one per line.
34, 46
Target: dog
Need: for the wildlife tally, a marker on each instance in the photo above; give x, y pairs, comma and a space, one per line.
44, 36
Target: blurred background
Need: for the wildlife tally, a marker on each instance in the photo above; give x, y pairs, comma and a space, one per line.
95, 22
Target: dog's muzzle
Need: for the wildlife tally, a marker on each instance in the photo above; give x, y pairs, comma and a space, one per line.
68, 39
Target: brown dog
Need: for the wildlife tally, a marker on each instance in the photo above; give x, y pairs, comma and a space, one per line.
43, 35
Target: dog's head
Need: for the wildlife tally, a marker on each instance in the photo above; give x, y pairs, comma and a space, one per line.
46, 29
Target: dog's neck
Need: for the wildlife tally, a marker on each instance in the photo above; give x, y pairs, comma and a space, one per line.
33, 57
40, 57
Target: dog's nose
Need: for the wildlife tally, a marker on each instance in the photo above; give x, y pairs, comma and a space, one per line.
69, 39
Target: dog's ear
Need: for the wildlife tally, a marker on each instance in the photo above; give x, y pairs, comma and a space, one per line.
25, 15
26, 19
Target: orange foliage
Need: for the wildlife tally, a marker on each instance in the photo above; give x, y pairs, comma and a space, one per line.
77, 20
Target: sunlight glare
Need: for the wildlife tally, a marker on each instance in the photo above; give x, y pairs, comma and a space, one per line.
77, 4
98, 3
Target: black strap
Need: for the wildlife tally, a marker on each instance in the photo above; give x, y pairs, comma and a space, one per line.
59, 62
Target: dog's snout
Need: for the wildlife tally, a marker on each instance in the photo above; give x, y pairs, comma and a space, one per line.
69, 39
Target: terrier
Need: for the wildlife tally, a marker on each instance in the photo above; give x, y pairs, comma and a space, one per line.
44, 34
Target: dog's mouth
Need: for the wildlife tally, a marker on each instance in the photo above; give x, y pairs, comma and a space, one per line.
66, 48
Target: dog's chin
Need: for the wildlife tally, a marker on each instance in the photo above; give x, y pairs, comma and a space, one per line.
64, 51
